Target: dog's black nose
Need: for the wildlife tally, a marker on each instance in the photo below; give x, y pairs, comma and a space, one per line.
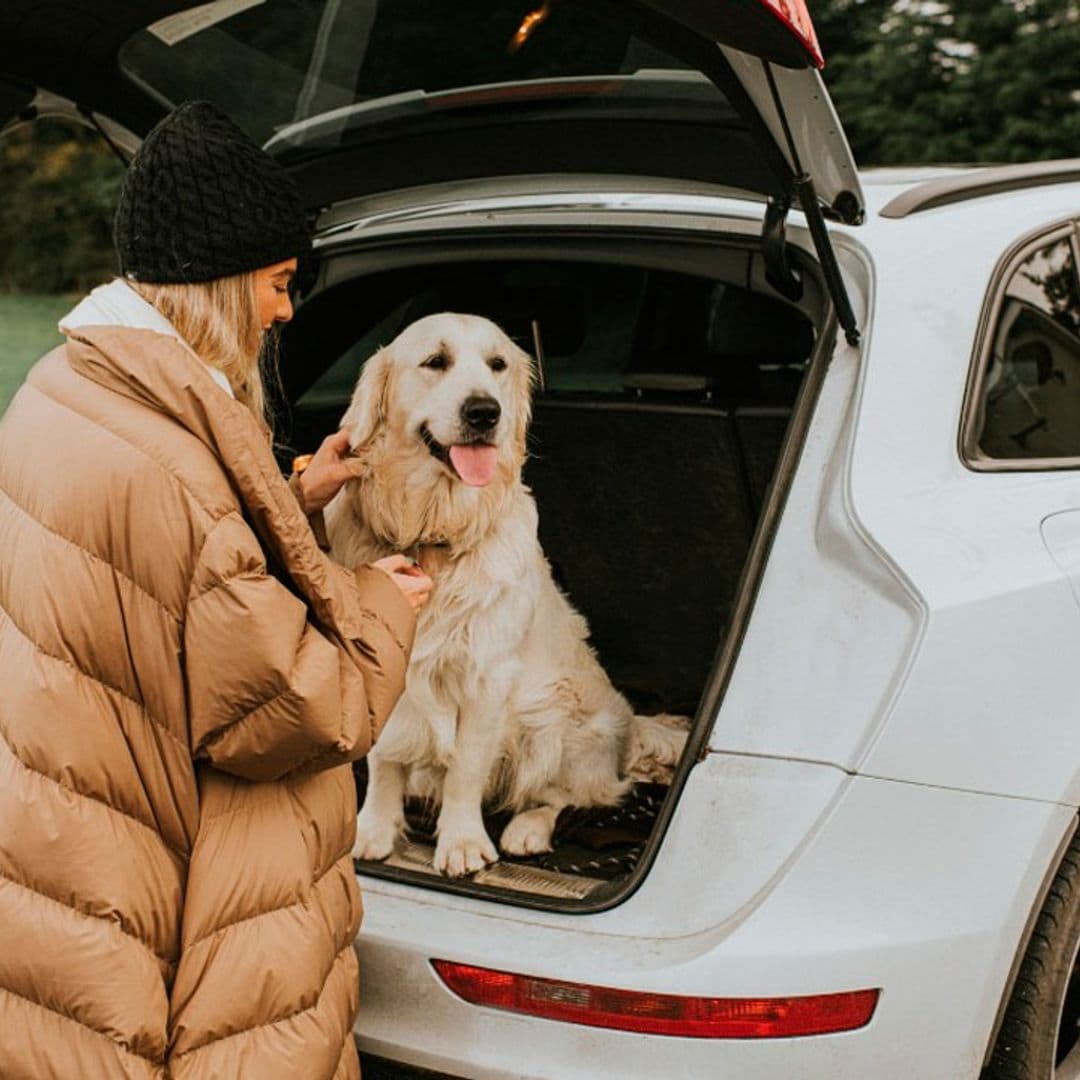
480, 412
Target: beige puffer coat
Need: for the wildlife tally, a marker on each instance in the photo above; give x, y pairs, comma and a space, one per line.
177, 897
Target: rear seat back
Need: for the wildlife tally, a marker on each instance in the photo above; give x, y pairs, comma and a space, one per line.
645, 517
649, 501
760, 430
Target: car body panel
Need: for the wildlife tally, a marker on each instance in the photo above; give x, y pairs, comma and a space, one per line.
586, 201
987, 689
962, 573
827, 576
746, 817
861, 906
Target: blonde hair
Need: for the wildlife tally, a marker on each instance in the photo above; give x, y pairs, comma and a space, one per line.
219, 319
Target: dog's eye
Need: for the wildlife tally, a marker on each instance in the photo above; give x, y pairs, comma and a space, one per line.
497, 363
438, 362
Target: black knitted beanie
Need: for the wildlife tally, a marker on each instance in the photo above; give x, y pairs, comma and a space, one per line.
201, 200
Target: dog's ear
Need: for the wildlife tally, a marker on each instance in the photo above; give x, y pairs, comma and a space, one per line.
524, 381
370, 399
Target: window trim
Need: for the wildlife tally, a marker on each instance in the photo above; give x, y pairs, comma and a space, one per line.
972, 456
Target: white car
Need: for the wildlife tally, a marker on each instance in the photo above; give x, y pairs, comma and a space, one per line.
806, 452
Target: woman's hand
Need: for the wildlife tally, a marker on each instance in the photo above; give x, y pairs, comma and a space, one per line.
330, 466
414, 584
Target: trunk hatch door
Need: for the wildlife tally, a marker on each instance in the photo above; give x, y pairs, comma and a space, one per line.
351, 93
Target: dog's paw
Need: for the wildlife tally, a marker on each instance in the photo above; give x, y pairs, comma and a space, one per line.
529, 833
655, 746
374, 839
461, 854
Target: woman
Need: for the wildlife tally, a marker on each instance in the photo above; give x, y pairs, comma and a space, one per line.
184, 676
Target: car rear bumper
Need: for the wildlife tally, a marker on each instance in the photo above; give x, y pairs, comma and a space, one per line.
923, 892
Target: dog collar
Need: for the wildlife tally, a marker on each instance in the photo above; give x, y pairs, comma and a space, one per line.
429, 545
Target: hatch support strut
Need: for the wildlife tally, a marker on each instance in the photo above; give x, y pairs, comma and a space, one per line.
778, 272
803, 186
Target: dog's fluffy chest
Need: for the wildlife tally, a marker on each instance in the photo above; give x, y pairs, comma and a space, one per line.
470, 641
474, 632
482, 606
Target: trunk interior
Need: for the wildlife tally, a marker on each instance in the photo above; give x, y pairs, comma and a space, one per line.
670, 378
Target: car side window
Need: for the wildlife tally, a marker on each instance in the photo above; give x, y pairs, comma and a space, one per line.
1028, 395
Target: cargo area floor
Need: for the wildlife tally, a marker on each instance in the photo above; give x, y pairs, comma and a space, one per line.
592, 848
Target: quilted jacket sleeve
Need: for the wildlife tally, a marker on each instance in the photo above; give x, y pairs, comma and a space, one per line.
270, 691
315, 520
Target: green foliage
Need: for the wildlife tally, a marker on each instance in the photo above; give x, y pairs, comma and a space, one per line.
936, 81
60, 186
27, 331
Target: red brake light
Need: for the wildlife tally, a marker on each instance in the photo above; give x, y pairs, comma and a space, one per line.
660, 1014
795, 15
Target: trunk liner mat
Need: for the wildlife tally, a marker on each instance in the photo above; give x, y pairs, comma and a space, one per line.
598, 842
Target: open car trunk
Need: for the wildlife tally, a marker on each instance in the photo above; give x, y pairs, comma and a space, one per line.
673, 377
676, 377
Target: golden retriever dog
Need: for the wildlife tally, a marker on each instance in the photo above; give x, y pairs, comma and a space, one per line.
506, 704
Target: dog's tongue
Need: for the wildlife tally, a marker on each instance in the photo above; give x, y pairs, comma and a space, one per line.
475, 464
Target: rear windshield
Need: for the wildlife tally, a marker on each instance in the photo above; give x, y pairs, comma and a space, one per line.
311, 74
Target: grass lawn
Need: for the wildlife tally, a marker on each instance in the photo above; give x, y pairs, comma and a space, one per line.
27, 330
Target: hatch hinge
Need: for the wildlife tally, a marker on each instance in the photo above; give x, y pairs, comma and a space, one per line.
778, 271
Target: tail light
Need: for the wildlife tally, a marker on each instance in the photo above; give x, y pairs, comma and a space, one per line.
795, 15
660, 1014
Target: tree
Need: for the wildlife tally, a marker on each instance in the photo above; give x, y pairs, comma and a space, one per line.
953, 81
60, 185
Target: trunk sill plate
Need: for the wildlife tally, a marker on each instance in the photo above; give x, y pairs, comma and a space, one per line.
410, 855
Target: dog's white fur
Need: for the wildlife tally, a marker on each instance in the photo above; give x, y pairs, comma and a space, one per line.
505, 702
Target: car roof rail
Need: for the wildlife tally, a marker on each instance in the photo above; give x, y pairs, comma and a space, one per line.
980, 182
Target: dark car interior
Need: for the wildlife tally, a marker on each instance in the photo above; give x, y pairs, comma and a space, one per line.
663, 405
